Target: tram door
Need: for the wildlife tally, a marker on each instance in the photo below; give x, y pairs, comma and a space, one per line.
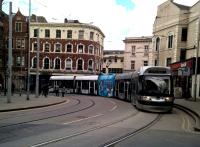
79, 86
126, 85
92, 87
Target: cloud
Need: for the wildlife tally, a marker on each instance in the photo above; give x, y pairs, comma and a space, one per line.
114, 19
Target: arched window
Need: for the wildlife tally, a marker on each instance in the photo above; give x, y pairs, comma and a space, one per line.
47, 47
80, 48
46, 63
91, 49
170, 41
80, 64
68, 64
157, 44
69, 48
90, 65
57, 63
34, 62
58, 47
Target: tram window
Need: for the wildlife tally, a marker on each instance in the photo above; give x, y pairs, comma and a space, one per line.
121, 87
85, 84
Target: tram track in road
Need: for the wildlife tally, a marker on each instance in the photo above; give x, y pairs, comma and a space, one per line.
113, 142
51, 116
96, 128
191, 114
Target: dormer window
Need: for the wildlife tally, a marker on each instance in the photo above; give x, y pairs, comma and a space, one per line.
18, 27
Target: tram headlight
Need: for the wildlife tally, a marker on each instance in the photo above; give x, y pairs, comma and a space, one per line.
168, 99
146, 98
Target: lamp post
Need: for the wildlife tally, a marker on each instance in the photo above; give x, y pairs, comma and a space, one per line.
28, 74
9, 85
196, 61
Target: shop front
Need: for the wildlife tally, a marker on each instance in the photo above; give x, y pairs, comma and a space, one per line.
182, 77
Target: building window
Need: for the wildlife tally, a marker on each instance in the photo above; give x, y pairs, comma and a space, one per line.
91, 49
18, 26
23, 61
69, 34
169, 61
18, 61
47, 33
170, 41
34, 62
81, 34
80, 64
156, 62
20, 43
68, 64
58, 33
57, 63
35, 33
133, 50
90, 65
182, 54
80, 49
157, 44
145, 63
184, 34
46, 47
69, 48
57, 47
46, 63
91, 35
35, 46
146, 50
133, 65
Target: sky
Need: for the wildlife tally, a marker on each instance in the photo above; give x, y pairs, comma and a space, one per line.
117, 19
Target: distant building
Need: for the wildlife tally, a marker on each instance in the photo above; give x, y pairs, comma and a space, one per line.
113, 61
19, 50
66, 48
137, 53
3, 34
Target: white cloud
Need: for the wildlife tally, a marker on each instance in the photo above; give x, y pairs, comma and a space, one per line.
114, 20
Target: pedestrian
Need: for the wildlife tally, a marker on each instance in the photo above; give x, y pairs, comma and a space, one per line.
45, 90
63, 91
57, 90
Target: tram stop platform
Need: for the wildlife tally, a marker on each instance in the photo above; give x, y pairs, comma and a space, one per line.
21, 103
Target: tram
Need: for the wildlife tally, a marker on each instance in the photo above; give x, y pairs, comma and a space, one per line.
123, 86
86, 84
60, 81
152, 89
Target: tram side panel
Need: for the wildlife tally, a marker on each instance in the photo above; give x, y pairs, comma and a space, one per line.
106, 85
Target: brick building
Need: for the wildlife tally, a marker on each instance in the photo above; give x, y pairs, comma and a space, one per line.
65, 48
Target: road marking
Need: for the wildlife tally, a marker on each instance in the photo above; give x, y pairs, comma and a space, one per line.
82, 119
115, 106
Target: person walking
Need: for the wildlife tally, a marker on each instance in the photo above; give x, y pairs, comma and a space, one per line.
57, 90
45, 90
63, 91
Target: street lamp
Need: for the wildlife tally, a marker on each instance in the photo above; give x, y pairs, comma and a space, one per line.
196, 61
29, 44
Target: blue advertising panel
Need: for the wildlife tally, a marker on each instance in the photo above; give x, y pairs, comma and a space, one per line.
106, 84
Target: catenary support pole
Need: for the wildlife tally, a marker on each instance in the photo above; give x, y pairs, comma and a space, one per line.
9, 85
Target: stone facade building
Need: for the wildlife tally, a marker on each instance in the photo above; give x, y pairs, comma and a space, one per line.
176, 33
137, 53
113, 61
